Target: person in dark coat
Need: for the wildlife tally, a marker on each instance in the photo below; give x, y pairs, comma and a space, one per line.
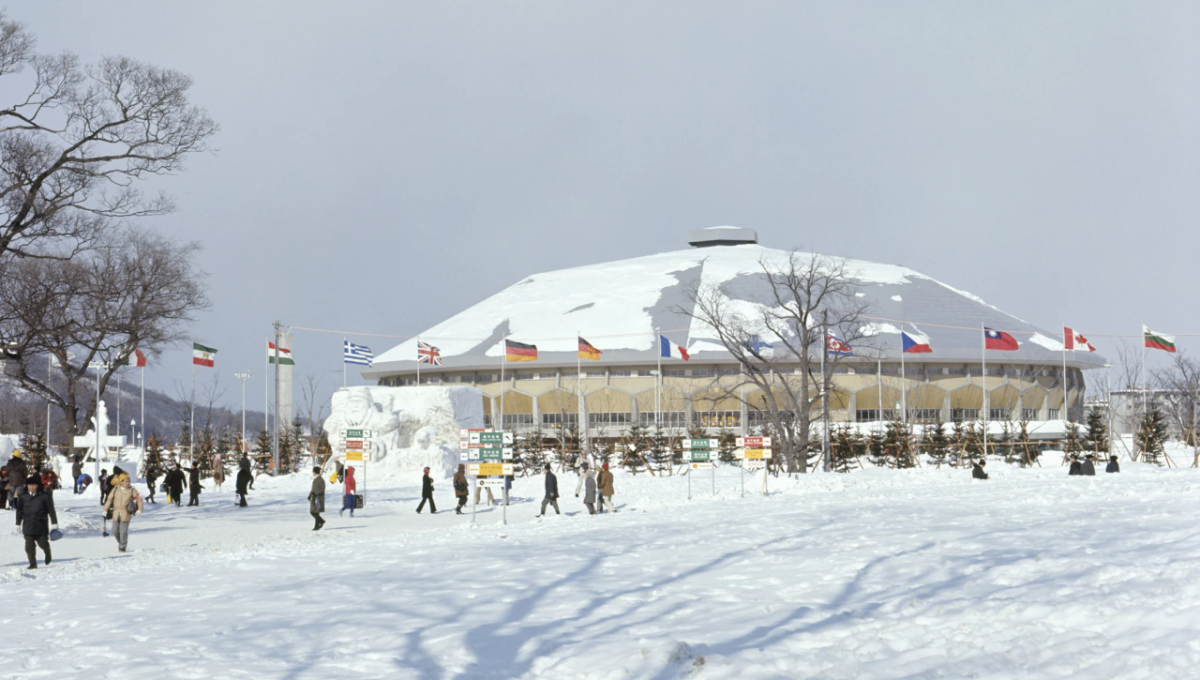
1088, 468
1076, 467
977, 470
245, 482
316, 498
76, 471
244, 463
36, 516
17, 472
4, 487
461, 488
104, 485
194, 490
1112, 466
151, 482
589, 491
175, 481
551, 492
427, 494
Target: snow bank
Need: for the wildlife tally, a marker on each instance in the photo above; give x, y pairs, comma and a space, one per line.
8, 442
412, 427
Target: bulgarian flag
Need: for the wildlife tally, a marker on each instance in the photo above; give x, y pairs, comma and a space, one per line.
1158, 340
203, 356
285, 355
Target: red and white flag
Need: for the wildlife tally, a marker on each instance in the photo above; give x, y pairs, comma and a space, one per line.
1073, 340
136, 359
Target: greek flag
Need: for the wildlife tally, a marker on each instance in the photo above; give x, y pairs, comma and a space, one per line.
356, 354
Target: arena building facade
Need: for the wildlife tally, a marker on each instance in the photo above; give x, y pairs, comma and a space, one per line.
621, 308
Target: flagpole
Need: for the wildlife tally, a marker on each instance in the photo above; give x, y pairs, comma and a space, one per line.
579, 391
986, 401
821, 393
1065, 412
343, 362
903, 384
503, 359
192, 422
267, 390
1145, 405
142, 439
118, 400
419, 368
49, 376
658, 385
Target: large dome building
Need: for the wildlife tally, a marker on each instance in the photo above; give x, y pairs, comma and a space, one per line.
621, 308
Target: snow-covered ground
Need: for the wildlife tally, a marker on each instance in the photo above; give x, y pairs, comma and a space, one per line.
877, 574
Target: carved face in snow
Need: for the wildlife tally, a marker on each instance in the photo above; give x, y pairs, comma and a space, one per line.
359, 408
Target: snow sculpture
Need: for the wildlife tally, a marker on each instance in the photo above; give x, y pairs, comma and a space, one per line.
411, 427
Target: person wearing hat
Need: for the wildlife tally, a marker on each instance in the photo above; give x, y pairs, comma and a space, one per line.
1088, 469
605, 482
1076, 467
427, 494
119, 499
977, 469
1113, 465
36, 517
583, 473
17, 472
551, 492
316, 498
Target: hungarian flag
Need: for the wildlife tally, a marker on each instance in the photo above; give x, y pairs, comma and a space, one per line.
588, 351
1158, 340
999, 340
669, 350
915, 344
136, 359
1071, 340
519, 351
285, 355
203, 356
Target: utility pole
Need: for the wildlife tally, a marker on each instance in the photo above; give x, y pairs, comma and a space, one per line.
826, 456
275, 434
243, 377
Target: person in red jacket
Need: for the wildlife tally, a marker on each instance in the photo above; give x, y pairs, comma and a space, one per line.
348, 492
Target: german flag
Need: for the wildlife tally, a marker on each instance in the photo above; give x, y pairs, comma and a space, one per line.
587, 351
519, 351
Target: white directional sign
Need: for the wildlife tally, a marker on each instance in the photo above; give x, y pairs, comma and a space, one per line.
701, 466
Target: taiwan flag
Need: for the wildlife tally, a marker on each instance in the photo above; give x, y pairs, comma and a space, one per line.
999, 340
915, 345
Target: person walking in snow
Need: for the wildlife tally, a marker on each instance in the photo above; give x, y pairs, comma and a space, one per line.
977, 470
461, 488
175, 481
589, 491
1113, 465
605, 482
218, 472
244, 463
76, 470
1088, 469
194, 486
316, 498
119, 501
151, 482
551, 492
427, 494
245, 482
17, 472
36, 517
103, 485
348, 489
479, 488
583, 473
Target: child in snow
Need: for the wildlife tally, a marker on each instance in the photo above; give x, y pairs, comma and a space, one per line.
1113, 466
977, 470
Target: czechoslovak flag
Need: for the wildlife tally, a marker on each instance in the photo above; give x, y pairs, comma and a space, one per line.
203, 356
916, 343
668, 349
999, 340
1073, 340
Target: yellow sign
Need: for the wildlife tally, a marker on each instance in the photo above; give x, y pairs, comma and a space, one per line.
485, 469
757, 454
354, 455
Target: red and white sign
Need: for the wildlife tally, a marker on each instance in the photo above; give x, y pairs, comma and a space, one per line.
754, 442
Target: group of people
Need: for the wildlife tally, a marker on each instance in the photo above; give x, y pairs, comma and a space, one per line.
1086, 467
14, 474
595, 487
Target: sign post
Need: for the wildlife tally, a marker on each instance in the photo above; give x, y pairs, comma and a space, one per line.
354, 445
754, 452
489, 454
699, 454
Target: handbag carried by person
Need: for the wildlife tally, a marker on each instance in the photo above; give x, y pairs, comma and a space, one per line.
358, 501
131, 506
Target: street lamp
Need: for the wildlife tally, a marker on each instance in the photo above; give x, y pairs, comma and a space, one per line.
243, 377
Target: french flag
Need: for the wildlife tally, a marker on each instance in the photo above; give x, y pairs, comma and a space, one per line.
668, 349
918, 344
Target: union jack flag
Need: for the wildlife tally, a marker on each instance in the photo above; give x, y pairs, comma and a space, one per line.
428, 354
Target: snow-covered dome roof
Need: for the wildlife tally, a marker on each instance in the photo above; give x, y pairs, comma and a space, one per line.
618, 306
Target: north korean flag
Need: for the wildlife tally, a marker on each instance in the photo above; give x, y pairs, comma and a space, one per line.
999, 340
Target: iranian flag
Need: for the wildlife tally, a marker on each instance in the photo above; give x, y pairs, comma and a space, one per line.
1158, 340
285, 355
203, 356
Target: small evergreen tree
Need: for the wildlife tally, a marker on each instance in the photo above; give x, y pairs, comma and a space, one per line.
152, 465
33, 448
875, 448
1152, 435
1073, 442
844, 445
937, 443
1097, 433
635, 446
728, 444
958, 455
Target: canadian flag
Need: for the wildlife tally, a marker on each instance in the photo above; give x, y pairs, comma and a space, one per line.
1073, 340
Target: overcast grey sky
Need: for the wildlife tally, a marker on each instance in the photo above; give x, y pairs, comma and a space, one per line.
382, 166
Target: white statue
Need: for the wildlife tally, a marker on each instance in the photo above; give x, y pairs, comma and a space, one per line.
99, 424
356, 408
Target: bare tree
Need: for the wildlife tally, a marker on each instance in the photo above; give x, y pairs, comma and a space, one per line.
135, 291
76, 139
1181, 382
805, 294
314, 410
